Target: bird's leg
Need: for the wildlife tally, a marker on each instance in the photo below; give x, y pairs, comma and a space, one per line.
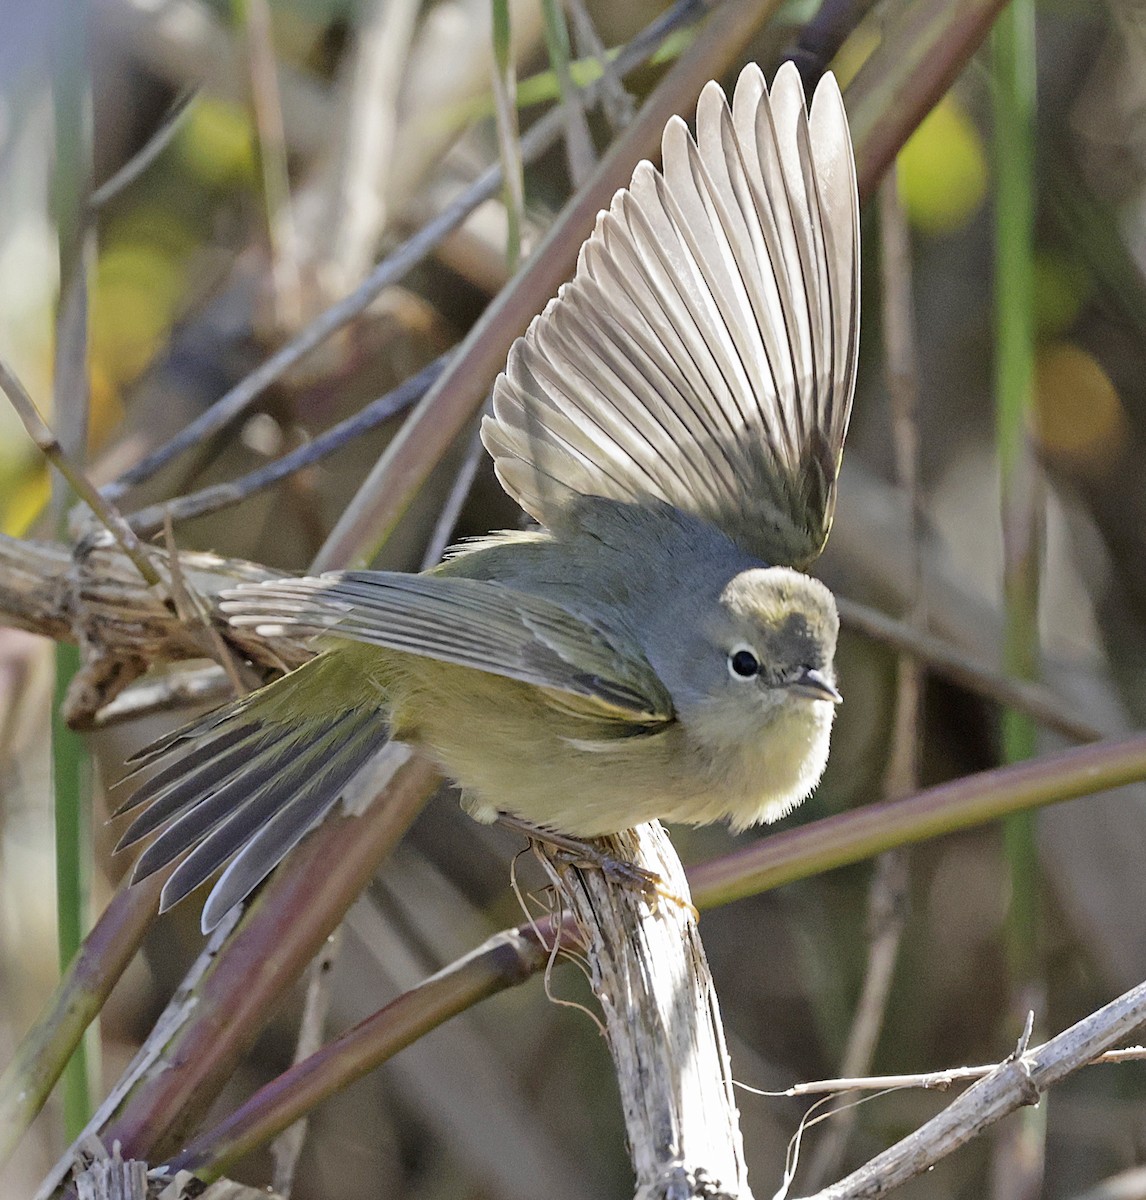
581, 852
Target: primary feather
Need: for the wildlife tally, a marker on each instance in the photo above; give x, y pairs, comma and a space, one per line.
704, 353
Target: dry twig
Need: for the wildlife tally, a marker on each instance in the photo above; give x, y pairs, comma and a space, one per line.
662, 1021
1020, 1081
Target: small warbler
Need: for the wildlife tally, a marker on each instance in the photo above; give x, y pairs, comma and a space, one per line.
674, 421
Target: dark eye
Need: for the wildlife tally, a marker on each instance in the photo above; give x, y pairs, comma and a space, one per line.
743, 663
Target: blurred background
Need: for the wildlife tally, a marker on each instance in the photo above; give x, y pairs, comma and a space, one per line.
290, 144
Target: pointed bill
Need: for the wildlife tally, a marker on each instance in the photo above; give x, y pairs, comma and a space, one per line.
705, 351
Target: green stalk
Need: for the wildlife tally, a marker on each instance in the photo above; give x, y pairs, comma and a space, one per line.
578, 142
504, 97
70, 185
1014, 68
71, 811
1021, 1145
557, 42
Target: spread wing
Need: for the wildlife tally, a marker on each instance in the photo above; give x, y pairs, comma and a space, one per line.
705, 351
471, 622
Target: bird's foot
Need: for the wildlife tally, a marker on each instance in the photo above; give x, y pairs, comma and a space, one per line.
584, 853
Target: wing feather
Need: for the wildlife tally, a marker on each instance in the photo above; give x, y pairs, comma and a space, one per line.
705, 351
471, 622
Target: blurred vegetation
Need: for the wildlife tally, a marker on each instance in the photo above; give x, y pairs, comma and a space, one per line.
199, 273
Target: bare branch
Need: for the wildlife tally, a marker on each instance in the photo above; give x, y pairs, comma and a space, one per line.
1020, 1081
162, 137
662, 1021
936, 1081
224, 495
1035, 699
49, 446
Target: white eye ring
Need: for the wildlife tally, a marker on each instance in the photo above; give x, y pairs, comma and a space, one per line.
743, 662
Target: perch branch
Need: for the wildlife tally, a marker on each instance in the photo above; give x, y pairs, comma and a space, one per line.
94, 596
662, 1021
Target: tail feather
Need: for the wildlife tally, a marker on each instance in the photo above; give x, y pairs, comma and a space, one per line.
275, 838
247, 782
192, 776
252, 790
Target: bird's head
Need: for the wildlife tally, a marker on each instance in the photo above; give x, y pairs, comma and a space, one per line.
765, 647
777, 629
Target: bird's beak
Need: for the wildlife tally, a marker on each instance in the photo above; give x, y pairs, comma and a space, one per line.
816, 686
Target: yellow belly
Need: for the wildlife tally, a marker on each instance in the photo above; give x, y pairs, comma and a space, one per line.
510, 751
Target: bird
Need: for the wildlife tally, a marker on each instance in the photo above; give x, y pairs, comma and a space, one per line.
674, 422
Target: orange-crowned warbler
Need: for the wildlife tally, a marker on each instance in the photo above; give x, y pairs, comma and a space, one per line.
674, 421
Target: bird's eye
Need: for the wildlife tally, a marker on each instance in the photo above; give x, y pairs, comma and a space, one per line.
742, 663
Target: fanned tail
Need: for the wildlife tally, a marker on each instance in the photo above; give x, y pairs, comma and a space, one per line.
248, 781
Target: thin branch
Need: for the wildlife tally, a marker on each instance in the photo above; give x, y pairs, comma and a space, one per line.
238, 398
148, 521
49, 445
178, 690
618, 106
173, 121
888, 892
287, 1147
1019, 1152
1035, 699
936, 1081
503, 961
852, 836
447, 521
1020, 1081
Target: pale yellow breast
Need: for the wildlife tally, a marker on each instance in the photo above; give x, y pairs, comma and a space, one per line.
509, 751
